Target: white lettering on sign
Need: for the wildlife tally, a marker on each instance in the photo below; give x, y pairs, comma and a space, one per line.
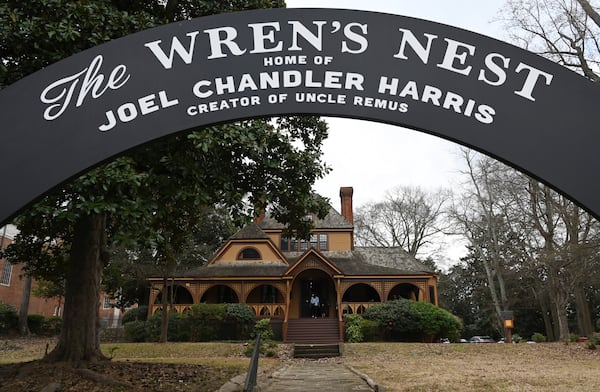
60, 94
279, 79
129, 111
176, 47
435, 96
266, 38
456, 59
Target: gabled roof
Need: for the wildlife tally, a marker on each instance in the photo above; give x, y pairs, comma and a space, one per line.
331, 266
250, 235
363, 261
333, 220
371, 261
249, 232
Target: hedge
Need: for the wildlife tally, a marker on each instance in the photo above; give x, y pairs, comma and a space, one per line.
406, 320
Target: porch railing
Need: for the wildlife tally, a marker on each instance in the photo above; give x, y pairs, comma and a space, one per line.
356, 307
179, 308
274, 311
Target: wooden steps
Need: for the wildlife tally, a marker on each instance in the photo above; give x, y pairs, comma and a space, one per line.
313, 331
315, 351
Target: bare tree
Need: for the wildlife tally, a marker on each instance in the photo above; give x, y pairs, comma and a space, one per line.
481, 214
515, 225
567, 32
564, 31
408, 217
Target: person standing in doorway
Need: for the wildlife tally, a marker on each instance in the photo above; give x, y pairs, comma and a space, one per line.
314, 305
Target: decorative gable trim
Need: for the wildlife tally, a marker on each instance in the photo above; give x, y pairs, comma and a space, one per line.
313, 259
246, 243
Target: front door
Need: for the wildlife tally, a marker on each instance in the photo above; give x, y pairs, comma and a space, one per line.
318, 284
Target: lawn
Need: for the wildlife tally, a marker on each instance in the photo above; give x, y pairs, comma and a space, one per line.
408, 367
477, 367
143, 367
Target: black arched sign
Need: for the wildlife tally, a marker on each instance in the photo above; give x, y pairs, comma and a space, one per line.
474, 90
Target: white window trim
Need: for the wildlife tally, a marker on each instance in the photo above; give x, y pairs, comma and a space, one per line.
4, 273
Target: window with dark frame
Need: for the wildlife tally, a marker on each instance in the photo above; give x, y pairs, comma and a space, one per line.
317, 241
249, 254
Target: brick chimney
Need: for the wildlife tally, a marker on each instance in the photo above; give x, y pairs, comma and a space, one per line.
346, 196
260, 211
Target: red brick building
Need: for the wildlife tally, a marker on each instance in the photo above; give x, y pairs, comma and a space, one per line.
11, 290
12, 282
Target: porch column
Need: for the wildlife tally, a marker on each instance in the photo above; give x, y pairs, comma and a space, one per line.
339, 308
284, 327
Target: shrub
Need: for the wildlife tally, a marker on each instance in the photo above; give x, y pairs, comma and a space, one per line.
573, 338
413, 321
395, 320
35, 323
139, 313
268, 348
436, 322
240, 318
153, 327
352, 328
205, 321
263, 327
538, 337
516, 338
592, 341
136, 331
8, 317
370, 330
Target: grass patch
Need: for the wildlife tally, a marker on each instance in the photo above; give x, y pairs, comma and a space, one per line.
476, 367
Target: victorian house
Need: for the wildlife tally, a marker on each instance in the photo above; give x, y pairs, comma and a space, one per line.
277, 276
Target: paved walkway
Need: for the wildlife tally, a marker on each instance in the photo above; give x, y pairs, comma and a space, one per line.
314, 376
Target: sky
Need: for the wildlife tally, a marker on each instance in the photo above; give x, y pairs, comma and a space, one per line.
392, 156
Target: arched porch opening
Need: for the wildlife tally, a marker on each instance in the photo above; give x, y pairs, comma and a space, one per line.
361, 292
179, 299
266, 301
308, 282
180, 295
358, 297
220, 294
404, 290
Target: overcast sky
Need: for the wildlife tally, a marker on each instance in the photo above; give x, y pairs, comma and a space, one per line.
390, 155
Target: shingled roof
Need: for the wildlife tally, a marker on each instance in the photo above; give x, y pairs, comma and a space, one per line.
372, 261
236, 269
360, 261
250, 232
333, 220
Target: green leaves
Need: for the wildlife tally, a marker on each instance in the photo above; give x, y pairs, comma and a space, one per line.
409, 320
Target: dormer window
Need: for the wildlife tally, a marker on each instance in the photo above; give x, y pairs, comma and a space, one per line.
317, 241
249, 254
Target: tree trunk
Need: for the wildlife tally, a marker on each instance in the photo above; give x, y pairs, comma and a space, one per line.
547, 317
542, 300
584, 319
559, 299
24, 308
79, 339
